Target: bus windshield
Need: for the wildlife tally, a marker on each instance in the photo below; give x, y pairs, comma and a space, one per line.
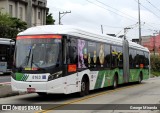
37, 53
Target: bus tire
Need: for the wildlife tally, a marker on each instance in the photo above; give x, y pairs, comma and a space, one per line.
41, 93
115, 82
140, 78
84, 87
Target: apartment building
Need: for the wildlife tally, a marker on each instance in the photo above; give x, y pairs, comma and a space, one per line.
31, 11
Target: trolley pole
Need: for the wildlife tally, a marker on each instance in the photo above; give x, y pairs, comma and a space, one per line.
62, 13
102, 28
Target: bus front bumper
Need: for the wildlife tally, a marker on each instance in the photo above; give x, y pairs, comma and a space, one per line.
56, 87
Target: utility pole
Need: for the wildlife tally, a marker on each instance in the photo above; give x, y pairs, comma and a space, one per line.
154, 38
60, 17
102, 28
154, 44
139, 21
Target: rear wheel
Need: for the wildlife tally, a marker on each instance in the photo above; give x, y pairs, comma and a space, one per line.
140, 79
115, 82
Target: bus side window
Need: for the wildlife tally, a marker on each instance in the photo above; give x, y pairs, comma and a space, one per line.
119, 57
107, 56
137, 60
72, 51
101, 54
114, 57
130, 58
146, 60
82, 54
92, 54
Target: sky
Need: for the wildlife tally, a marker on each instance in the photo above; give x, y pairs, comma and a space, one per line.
113, 15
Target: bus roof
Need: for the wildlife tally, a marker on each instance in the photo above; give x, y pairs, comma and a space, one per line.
6, 41
75, 31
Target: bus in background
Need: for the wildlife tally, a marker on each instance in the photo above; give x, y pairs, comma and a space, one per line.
63, 60
6, 55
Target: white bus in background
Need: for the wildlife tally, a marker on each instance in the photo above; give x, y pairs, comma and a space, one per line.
6, 55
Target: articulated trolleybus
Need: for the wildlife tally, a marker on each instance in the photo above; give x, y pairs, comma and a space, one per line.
63, 60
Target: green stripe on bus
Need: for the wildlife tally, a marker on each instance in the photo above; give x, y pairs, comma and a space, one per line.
19, 76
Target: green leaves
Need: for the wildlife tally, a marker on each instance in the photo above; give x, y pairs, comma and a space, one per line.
155, 63
5, 20
49, 19
10, 27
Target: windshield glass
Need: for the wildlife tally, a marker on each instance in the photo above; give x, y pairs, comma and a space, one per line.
38, 52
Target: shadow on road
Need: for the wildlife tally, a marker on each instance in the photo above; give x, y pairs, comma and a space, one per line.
63, 97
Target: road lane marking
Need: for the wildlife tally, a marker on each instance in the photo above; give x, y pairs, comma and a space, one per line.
86, 97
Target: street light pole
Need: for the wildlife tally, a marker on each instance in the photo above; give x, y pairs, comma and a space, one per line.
125, 30
60, 17
139, 19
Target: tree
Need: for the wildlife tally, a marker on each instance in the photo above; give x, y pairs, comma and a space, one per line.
5, 20
49, 19
18, 24
10, 27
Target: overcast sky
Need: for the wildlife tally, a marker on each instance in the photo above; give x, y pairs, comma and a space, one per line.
114, 15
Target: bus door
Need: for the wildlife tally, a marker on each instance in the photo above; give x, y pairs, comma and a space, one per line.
3, 58
126, 61
72, 57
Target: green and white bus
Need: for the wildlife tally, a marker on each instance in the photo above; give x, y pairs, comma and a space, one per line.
64, 60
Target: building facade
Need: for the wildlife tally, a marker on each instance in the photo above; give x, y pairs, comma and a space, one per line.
31, 11
152, 43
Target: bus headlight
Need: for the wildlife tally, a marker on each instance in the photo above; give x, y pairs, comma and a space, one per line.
55, 76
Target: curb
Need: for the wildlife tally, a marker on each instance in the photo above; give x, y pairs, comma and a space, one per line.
6, 91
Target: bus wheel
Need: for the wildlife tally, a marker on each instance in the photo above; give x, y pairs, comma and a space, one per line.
140, 78
84, 87
41, 93
115, 82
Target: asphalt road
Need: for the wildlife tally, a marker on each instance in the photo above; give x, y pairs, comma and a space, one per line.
5, 78
146, 93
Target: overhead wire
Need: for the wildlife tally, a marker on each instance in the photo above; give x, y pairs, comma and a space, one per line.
153, 5
116, 9
148, 10
123, 13
111, 11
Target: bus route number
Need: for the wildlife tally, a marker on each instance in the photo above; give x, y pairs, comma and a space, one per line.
36, 77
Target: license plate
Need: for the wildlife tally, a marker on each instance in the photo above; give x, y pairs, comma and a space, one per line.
31, 90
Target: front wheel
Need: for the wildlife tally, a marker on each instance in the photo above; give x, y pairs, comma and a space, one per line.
84, 87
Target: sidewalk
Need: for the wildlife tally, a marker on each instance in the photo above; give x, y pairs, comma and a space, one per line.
6, 91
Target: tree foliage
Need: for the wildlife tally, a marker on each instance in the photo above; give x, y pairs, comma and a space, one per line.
10, 27
49, 19
18, 24
5, 20
155, 63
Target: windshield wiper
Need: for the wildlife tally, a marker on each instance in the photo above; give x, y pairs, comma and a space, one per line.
26, 60
34, 63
